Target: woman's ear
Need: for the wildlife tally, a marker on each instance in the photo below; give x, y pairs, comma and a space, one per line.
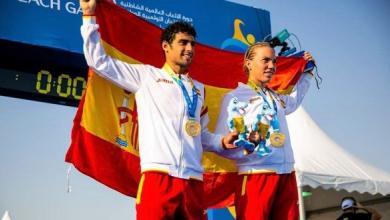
248, 64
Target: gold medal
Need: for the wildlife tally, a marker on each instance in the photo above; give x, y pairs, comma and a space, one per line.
193, 128
277, 139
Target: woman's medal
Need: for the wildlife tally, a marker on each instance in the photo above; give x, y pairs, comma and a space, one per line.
277, 139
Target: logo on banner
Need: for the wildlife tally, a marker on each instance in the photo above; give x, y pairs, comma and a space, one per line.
238, 42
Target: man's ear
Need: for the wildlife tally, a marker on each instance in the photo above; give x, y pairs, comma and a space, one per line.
164, 46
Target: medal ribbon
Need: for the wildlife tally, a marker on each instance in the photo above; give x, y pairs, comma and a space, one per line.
191, 105
274, 122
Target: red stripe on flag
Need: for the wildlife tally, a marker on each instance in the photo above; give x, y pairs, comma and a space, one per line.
139, 39
289, 70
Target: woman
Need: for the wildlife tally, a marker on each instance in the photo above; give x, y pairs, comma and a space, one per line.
268, 187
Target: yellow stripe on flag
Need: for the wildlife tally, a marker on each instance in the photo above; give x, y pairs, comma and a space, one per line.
111, 106
211, 161
113, 52
214, 97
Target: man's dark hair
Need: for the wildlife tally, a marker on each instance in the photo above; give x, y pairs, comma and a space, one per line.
171, 30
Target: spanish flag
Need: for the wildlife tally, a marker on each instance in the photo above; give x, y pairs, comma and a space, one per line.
104, 141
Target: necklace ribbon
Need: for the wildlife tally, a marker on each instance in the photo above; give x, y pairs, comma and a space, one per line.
193, 127
276, 138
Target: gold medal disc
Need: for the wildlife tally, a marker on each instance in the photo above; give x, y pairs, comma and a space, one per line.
193, 128
277, 139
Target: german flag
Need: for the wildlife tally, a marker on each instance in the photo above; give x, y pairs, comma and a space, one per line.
104, 141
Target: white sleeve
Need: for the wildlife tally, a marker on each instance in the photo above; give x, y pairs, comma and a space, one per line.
294, 100
210, 142
125, 75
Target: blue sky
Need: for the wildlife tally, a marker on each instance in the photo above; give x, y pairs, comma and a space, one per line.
349, 40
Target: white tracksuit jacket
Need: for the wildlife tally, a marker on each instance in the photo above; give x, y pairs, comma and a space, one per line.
280, 160
162, 112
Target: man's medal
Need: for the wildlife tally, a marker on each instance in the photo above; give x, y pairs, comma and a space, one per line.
192, 127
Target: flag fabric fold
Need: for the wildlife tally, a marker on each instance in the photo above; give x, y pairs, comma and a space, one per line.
104, 141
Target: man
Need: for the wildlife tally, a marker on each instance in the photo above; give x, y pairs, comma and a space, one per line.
352, 211
268, 187
172, 124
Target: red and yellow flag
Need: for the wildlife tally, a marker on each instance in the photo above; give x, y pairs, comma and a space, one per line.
104, 141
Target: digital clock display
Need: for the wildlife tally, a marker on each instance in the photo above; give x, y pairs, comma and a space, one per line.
43, 85
41, 73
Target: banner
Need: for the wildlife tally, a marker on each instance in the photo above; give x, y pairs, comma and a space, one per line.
56, 23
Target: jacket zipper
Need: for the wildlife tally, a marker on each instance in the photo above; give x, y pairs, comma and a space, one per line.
180, 169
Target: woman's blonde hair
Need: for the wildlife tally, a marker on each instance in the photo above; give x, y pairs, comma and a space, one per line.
249, 54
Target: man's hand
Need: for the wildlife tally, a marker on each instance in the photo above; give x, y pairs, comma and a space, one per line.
88, 6
227, 141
